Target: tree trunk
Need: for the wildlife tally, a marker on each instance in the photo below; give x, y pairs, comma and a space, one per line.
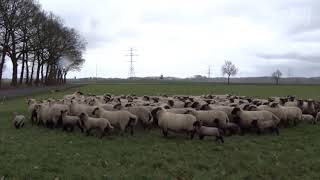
23, 63
32, 70
228, 80
3, 58
14, 80
42, 73
14, 60
27, 68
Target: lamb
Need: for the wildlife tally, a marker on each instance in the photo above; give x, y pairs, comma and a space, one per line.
69, 122
121, 119
89, 123
203, 131
175, 122
18, 120
308, 118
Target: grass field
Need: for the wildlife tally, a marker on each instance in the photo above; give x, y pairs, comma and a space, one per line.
39, 153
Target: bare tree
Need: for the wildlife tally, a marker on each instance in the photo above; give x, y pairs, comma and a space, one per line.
277, 76
229, 69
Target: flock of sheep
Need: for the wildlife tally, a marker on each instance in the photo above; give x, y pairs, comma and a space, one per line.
207, 115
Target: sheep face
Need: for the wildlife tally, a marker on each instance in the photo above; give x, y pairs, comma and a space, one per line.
118, 106
236, 111
171, 103
96, 111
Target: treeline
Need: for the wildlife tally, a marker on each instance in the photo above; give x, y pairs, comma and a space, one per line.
37, 43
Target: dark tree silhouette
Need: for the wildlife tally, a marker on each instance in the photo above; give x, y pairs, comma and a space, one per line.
229, 69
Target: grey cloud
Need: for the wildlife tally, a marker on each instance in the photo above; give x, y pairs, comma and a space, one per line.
312, 58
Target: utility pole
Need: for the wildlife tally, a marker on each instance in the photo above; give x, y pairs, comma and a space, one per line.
209, 72
131, 70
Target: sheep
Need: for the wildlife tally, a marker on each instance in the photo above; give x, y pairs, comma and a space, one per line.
31, 107
76, 109
143, 114
121, 119
203, 131
69, 122
211, 118
44, 117
89, 123
225, 109
275, 109
268, 124
308, 118
245, 118
176, 104
307, 107
232, 128
18, 120
175, 122
293, 114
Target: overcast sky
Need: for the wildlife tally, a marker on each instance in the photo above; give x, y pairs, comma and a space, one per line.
183, 37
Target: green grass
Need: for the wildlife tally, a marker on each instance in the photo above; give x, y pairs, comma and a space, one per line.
39, 153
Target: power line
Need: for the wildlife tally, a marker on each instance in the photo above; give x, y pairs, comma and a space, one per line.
131, 69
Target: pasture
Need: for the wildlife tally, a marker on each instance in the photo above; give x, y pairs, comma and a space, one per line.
39, 153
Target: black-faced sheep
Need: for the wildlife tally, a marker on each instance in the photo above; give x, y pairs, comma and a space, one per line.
175, 122
120, 119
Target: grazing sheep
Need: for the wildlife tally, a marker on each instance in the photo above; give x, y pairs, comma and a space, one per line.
308, 118
18, 120
175, 122
69, 122
89, 123
121, 119
203, 131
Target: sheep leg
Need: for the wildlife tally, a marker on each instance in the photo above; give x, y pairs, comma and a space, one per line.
276, 129
165, 133
192, 134
219, 138
201, 137
101, 134
88, 132
131, 130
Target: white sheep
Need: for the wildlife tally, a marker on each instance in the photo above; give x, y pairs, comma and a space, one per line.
121, 119
211, 118
18, 120
308, 118
175, 122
